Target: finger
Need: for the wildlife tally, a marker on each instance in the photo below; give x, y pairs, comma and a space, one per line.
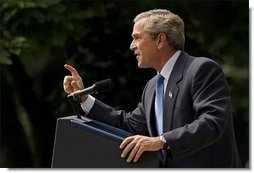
73, 71
128, 148
139, 153
75, 85
69, 90
133, 152
67, 84
125, 142
67, 80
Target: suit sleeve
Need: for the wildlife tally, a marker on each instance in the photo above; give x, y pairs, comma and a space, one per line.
211, 107
134, 121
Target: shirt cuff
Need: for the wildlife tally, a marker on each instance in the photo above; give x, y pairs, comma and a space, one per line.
166, 146
88, 104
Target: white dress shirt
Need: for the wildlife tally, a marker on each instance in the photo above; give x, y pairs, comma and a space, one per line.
168, 67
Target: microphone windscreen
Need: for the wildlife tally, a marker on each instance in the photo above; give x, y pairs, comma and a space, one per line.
103, 86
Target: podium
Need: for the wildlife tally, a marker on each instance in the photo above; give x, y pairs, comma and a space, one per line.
86, 143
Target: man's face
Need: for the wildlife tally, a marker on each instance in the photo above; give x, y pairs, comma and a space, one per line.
144, 46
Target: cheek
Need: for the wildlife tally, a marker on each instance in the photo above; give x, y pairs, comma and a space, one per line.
148, 50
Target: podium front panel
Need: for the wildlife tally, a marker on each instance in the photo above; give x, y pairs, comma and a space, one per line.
83, 145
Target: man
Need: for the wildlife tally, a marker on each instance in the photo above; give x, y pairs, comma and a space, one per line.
185, 109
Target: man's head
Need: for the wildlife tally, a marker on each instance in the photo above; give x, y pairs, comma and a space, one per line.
163, 21
156, 34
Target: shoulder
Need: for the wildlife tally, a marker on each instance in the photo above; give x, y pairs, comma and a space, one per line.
205, 71
198, 69
195, 61
206, 65
201, 65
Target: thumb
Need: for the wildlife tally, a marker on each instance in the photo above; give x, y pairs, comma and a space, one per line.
75, 86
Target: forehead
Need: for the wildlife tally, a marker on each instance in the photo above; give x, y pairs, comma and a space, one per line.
138, 28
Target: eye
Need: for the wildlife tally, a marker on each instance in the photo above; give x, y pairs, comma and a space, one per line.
136, 38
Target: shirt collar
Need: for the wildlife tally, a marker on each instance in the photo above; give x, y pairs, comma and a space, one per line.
168, 67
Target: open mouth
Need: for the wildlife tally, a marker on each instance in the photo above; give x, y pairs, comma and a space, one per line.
137, 55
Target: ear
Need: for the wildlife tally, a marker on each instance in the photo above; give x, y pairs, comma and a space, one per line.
161, 39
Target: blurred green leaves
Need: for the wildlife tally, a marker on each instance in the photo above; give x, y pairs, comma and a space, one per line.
11, 42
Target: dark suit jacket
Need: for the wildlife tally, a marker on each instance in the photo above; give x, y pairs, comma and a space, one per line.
197, 120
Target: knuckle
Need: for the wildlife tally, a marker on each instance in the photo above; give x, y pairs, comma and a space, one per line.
138, 145
141, 148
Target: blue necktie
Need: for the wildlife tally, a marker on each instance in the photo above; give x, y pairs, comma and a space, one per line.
159, 103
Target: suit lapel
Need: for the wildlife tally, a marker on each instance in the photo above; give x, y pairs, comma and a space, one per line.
172, 91
149, 102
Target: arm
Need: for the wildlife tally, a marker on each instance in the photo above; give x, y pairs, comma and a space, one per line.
134, 121
211, 104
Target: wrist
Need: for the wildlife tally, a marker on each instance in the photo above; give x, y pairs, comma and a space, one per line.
84, 98
163, 140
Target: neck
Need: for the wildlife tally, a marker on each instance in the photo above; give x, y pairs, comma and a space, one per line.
164, 59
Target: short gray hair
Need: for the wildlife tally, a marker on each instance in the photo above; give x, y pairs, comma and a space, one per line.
163, 21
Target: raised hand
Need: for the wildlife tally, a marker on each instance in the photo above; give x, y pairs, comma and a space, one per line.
74, 82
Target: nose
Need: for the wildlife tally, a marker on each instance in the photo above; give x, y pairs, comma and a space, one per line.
132, 46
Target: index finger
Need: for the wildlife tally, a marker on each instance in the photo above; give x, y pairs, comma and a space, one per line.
71, 69
126, 141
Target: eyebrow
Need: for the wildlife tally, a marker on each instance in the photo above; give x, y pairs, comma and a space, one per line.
135, 35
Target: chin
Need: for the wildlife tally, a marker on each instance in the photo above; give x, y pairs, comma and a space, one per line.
141, 66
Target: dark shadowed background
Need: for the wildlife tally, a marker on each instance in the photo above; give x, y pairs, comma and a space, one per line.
38, 37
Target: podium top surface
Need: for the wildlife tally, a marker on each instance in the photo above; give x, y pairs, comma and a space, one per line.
98, 128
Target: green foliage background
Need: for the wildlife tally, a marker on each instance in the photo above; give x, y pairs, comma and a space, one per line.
39, 36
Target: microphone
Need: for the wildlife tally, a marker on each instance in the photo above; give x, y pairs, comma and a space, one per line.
98, 87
